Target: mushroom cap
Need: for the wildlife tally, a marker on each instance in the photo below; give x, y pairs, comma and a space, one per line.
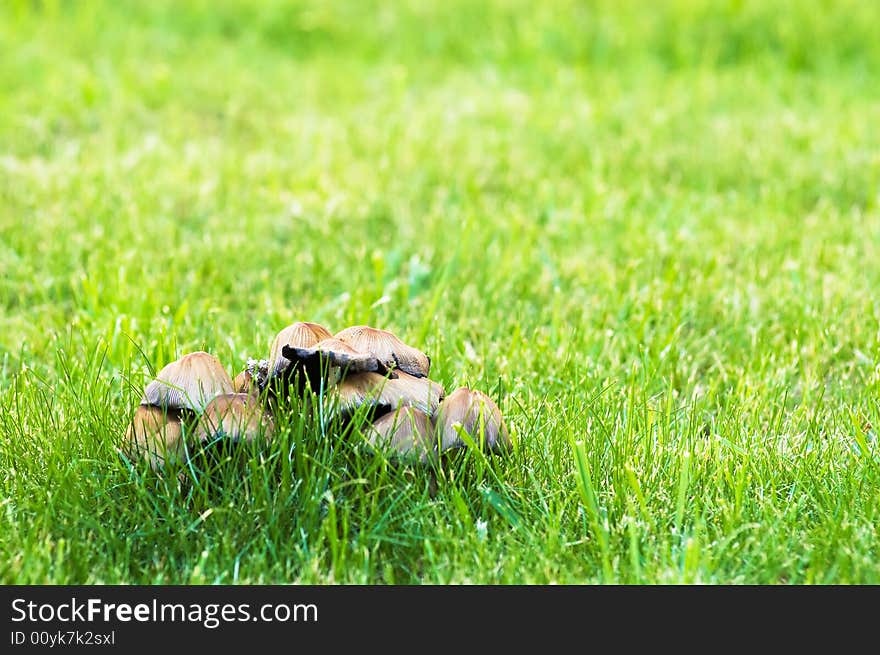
254, 376
252, 380
243, 382
387, 394
367, 388
295, 335
321, 359
188, 383
156, 435
236, 416
407, 432
388, 348
476, 414
418, 392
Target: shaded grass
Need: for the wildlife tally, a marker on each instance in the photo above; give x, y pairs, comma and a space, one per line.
650, 235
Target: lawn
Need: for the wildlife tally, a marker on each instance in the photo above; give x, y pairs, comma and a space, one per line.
650, 231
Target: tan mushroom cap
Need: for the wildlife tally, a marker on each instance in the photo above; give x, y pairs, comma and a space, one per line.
243, 382
366, 388
296, 335
419, 392
389, 393
406, 432
234, 416
388, 348
188, 383
474, 413
156, 435
253, 378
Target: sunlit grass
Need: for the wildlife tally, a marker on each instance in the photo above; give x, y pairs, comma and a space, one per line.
650, 234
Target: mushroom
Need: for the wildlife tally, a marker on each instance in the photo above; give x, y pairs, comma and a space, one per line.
472, 412
296, 335
237, 416
389, 349
419, 392
406, 432
253, 378
367, 388
331, 360
155, 434
244, 382
385, 393
188, 383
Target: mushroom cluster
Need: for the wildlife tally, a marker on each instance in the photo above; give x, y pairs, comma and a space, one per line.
361, 370
195, 391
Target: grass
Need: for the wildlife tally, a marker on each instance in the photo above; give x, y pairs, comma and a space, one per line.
651, 234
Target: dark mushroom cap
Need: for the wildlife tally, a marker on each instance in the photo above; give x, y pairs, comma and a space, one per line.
334, 354
188, 383
388, 348
155, 435
296, 335
474, 413
234, 416
406, 432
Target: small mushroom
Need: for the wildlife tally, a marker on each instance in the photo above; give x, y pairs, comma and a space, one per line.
389, 349
244, 382
406, 432
238, 417
156, 435
472, 412
253, 378
188, 383
296, 335
419, 392
386, 394
367, 388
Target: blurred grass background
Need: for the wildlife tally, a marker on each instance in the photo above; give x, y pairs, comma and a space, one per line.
649, 228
